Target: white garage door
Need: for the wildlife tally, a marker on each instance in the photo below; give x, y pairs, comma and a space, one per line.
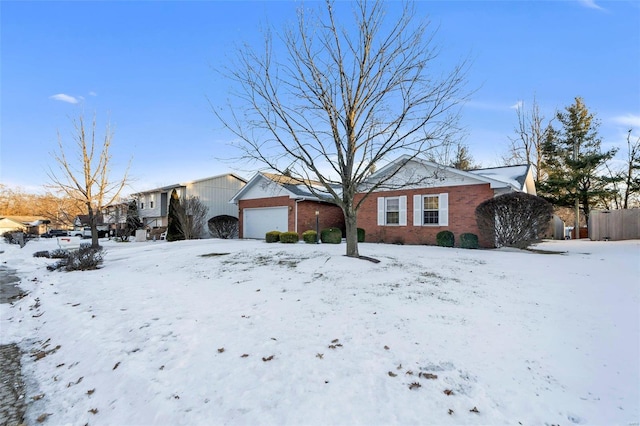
257, 222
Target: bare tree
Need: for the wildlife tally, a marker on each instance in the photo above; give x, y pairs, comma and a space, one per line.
531, 133
343, 100
86, 178
631, 174
191, 217
625, 180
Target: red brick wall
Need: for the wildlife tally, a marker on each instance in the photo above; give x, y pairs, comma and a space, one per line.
463, 201
330, 215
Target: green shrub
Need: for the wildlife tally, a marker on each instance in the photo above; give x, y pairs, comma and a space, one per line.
360, 235
331, 236
289, 237
445, 239
310, 237
469, 241
272, 236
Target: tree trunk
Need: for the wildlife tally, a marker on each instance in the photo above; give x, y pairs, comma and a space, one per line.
351, 230
94, 227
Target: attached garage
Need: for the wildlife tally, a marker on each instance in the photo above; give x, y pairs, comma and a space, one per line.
258, 221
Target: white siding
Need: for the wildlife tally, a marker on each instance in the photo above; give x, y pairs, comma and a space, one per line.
430, 177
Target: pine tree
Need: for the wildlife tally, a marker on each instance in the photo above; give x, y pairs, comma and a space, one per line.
573, 159
174, 230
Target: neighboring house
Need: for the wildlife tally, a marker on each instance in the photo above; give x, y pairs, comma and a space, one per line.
271, 202
214, 192
81, 223
35, 225
8, 224
445, 199
115, 215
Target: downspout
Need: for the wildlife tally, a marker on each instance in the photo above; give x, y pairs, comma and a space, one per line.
296, 212
296, 215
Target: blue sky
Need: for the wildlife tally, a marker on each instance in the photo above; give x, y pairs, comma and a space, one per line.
148, 67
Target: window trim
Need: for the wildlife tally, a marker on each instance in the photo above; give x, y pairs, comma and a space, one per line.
402, 211
443, 210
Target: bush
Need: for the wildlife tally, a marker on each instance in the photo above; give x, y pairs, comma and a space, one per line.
223, 226
360, 235
42, 253
12, 237
469, 241
310, 237
331, 236
514, 220
58, 254
84, 259
272, 236
445, 239
289, 237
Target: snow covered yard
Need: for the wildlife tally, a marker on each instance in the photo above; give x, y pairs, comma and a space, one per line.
244, 332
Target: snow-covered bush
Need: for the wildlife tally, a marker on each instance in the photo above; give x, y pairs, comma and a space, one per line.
84, 259
58, 254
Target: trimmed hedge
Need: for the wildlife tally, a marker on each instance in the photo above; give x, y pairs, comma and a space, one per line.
289, 237
360, 235
445, 239
331, 236
469, 241
310, 237
272, 236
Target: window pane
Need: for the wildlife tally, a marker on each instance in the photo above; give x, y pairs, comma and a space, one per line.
430, 212
393, 205
393, 218
431, 217
431, 202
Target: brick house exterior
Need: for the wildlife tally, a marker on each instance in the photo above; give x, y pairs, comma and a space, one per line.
418, 200
438, 198
462, 201
274, 202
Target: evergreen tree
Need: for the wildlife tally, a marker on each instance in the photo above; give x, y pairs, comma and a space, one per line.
463, 159
174, 230
573, 160
133, 218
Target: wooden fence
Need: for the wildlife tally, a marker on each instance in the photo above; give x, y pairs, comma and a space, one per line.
614, 224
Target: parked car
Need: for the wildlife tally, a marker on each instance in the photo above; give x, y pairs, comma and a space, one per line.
53, 233
86, 232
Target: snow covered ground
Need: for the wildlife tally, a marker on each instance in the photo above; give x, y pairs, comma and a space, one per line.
244, 332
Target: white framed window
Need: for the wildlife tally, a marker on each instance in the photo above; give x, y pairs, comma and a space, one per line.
152, 200
392, 211
431, 210
141, 205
